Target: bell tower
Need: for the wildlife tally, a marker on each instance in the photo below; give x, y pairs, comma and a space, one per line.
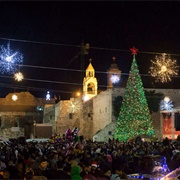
89, 83
113, 75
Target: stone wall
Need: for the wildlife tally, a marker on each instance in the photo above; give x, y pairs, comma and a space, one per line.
102, 110
86, 125
174, 94
13, 132
65, 120
102, 99
105, 134
49, 113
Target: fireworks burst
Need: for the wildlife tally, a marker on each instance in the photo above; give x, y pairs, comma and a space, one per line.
9, 61
163, 68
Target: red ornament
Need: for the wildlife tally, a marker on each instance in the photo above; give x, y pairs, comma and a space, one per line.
134, 50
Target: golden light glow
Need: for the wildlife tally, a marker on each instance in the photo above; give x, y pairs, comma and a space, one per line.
166, 99
14, 97
75, 105
163, 68
78, 94
85, 98
18, 76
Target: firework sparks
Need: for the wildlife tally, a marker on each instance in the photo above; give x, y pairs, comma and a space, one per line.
163, 68
10, 61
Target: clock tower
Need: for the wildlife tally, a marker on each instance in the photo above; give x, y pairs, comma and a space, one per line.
113, 74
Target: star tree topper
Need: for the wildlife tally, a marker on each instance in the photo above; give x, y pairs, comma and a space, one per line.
134, 51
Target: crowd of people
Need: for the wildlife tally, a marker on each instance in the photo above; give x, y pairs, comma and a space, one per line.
73, 157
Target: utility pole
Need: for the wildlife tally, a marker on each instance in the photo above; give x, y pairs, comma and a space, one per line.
84, 50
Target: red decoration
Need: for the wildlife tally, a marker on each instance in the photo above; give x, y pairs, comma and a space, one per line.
134, 50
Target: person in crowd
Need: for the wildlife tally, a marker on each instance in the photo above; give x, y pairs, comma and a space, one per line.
11, 167
129, 155
86, 171
107, 173
75, 173
94, 168
54, 160
115, 177
115, 160
59, 172
21, 168
43, 169
109, 159
67, 169
119, 173
29, 174
6, 174
38, 175
86, 158
2, 165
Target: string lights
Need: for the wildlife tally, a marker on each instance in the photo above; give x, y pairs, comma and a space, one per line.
9, 60
166, 104
115, 79
14, 97
19, 77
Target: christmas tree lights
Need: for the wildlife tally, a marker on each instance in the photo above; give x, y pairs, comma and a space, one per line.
134, 117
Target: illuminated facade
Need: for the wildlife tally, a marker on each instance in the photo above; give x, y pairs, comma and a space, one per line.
17, 117
90, 85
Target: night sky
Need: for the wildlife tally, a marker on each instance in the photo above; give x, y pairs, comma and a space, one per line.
50, 34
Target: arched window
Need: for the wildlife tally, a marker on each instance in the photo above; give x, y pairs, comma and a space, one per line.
91, 88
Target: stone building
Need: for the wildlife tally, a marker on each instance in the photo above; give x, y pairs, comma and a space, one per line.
92, 112
95, 117
18, 113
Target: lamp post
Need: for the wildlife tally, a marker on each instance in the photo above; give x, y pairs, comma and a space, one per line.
34, 127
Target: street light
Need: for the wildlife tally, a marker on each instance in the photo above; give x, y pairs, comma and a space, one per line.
78, 94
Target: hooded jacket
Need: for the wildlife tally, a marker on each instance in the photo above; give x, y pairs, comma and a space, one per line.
75, 173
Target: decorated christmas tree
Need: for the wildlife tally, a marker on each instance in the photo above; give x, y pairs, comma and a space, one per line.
134, 117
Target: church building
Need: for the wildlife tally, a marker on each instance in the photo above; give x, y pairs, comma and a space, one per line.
92, 112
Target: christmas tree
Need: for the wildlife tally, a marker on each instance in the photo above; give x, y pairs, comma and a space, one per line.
134, 117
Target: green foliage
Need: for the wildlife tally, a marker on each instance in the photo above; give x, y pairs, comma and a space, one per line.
134, 117
153, 100
117, 105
